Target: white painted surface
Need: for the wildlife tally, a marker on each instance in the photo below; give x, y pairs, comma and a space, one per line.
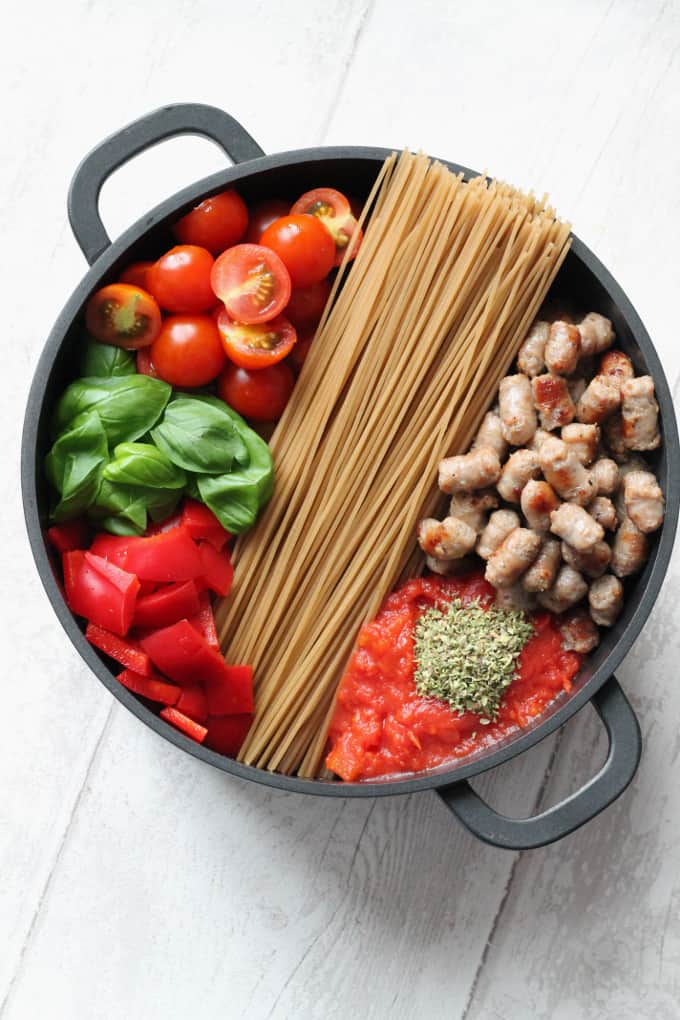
138, 883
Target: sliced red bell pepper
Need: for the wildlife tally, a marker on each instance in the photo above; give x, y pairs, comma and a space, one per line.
70, 535
217, 573
192, 702
124, 650
152, 687
226, 733
157, 527
229, 692
201, 523
204, 621
169, 604
113, 548
101, 592
183, 723
167, 556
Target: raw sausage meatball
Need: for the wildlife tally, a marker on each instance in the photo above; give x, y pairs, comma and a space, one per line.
603, 511
515, 597
538, 439
538, 501
501, 523
601, 399
605, 475
596, 334
613, 435
574, 525
530, 359
512, 557
643, 500
563, 348
475, 470
605, 599
593, 562
553, 401
516, 409
542, 573
519, 468
568, 589
629, 550
579, 633
491, 434
564, 471
583, 440
639, 411
618, 364
446, 540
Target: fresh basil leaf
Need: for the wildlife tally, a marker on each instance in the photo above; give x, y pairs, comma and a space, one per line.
233, 499
260, 469
106, 361
74, 464
143, 464
119, 526
192, 487
126, 503
159, 511
199, 434
128, 406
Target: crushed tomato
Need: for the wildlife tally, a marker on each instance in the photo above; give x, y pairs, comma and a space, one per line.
382, 726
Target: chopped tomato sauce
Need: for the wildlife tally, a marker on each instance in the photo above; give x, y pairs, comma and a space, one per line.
382, 726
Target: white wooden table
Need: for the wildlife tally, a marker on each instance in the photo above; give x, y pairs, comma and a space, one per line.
136, 882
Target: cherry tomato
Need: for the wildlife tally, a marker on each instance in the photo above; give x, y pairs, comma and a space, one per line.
304, 245
145, 365
188, 351
258, 345
306, 304
136, 274
252, 281
263, 215
123, 315
301, 349
215, 224
333, 209
180, 280
259, 395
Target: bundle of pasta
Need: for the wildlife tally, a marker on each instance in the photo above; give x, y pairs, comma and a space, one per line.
404, 364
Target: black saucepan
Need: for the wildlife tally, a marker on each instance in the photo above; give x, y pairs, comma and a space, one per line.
582, 281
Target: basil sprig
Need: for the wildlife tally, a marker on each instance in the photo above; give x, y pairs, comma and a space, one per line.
105, 361
200, 435
128, 406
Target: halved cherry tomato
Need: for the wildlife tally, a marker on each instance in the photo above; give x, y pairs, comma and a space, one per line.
259, 345
188, 351
305, 246
215, 224
306, 304
136, 274
259, 395
180, 280
145, 365
252, 281
263, 215
301, 349
124, 316
333, 209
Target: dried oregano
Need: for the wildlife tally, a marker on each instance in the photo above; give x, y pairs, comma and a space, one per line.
467, 655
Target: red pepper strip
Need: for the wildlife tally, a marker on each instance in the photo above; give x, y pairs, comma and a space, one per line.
226, 733
167, 556
70, 535
217, 572
204, 621
192, 702
101, 592
183, 723
113, 548
169, 604
152, 687
124, 650
201, 522
230, 693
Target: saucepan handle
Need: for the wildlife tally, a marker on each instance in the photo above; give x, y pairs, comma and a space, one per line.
625, 745
168, 121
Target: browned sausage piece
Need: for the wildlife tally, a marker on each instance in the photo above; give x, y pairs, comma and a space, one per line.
592, 563
577, 388
518, 469
644, 500
475, 470
574, 525
515, 597
538, 501
605, 599
629, 550
448, 567
612, 430
579, 633
446, 540
530, 359
605, 475
618, 364
501, 523
563, 348
568, 589
516, 408
601, 399
491, 434
542, 573
512, 557
603, 511
538, 439
472, 507
596, 334
565, 472
639, 412
583, 440
553, 401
